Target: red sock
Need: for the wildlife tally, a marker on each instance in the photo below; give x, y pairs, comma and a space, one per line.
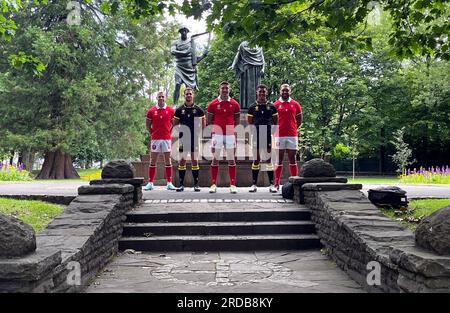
214, 172
232, 174
151, 173
278, 171
293, 169
168, 173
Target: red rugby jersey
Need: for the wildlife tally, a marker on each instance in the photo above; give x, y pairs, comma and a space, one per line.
161, 122
224, 112
287, 113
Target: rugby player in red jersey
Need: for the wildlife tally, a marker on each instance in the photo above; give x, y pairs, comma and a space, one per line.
159, 122
286, 138
223, 113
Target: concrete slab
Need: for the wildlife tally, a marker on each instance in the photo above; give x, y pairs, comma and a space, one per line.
223, 272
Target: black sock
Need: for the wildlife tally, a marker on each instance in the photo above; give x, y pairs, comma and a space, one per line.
195, 171
181, 174
270, 174
255, 172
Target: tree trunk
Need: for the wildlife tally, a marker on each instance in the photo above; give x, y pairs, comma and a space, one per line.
382, 152
57, 165
27, 159
11, 159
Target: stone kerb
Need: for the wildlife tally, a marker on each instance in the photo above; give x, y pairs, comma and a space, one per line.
75, 245
360, 239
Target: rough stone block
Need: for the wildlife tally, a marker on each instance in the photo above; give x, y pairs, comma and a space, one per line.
16, 237
118, 169
433, 232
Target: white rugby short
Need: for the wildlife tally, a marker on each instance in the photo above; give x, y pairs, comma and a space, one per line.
221, 141
161, 145
290, 143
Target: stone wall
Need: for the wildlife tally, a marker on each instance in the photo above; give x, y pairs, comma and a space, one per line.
354, 233
84, 236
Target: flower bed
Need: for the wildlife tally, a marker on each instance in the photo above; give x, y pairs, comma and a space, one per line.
432, 175
13, 173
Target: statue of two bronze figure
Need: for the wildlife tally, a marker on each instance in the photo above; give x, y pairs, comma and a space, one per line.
248, 65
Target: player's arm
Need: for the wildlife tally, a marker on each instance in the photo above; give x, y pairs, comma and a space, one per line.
176, 119
148, 124
250, 116
237, 113
209, 118
274, 115
249, 119
202, 121
299, 119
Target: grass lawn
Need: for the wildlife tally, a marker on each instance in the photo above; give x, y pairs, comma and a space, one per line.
37, 214
90, 174
417, 209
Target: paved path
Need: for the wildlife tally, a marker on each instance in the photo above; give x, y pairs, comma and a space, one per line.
223, 272
69, 188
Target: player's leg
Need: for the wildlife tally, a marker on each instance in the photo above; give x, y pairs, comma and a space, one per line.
269, 167
152, 167
216, 149
279, 164
166, 149
292, 152
256, 166
181, 172
230, 147
195, 169
293, 169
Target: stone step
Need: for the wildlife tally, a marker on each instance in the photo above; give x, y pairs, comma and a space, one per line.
221, 243
147, 216
219, 228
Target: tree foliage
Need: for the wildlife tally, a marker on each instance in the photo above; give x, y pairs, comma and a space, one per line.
418, 27
351, 98
91, 98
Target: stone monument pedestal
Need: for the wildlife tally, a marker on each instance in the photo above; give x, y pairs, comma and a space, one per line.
243, 173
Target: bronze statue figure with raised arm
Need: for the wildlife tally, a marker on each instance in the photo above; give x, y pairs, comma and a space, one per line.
186, 61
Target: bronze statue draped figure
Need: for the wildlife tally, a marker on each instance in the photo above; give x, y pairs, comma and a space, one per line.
249, 67
186, 62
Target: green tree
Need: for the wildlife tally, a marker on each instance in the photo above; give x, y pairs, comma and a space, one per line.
419, 27
402, 157
93, 91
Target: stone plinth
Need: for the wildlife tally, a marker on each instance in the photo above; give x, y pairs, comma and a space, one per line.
136, 182
243, 173
298, 183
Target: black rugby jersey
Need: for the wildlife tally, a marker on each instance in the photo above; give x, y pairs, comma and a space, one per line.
186, 115
262, 113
